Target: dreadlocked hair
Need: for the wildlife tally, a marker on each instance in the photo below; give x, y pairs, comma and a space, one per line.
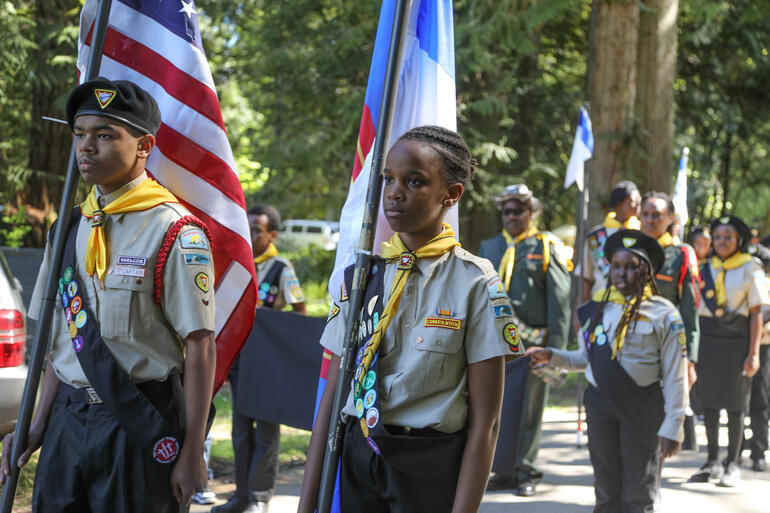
629, 314
457, 164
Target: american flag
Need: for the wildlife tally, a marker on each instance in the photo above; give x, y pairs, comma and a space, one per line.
157, 45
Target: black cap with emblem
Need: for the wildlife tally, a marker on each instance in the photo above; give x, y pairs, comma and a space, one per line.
638, 243
744, 232
120, 100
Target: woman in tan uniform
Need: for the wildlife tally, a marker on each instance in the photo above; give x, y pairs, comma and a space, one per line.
733, 294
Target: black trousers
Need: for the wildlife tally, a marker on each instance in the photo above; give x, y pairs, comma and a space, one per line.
88, 465
759, 406
625, 466
419, 475
256, 447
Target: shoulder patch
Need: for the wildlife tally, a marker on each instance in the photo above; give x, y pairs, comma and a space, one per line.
197, 259
195, 239
495, 288
334, 310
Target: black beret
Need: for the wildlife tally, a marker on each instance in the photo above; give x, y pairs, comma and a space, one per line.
121, 100
638, 243
744, 232
622, 191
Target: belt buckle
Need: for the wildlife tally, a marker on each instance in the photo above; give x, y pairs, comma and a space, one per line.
92, 397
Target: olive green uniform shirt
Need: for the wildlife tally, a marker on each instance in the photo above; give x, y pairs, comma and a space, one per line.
540, 297
685, 298
654, 351
146, 339
423, 370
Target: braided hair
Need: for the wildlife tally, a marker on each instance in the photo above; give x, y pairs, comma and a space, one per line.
456, 161
629, 314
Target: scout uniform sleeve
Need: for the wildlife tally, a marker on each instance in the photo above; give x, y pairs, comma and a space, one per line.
673, 376
688, 307
333, 336
490, 330
758, 293
558, 283
292, 291
59, 333
188, 283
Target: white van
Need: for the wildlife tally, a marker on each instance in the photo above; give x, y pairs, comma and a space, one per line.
301, 233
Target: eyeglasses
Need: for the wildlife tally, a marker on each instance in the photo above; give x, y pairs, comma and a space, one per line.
514, 211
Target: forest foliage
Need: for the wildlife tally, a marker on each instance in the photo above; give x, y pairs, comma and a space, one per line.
291, 77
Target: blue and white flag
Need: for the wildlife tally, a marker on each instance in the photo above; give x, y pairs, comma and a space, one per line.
582, 150
426, 96
680, 191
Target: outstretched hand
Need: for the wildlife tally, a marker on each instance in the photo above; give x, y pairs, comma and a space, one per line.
538, 355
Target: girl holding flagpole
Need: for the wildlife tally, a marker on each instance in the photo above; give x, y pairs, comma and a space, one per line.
435, 329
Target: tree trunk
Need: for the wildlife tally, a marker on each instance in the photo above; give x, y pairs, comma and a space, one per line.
611, 85
654, 165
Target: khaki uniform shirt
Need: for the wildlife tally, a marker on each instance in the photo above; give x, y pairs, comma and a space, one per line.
745, 287
146, 340
423, 370
289, 290
653, 352
589, 268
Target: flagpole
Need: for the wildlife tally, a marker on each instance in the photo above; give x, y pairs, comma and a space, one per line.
577, 280
40, 341
364, 252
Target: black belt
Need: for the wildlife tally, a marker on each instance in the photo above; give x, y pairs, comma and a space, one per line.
410, 431
88, 395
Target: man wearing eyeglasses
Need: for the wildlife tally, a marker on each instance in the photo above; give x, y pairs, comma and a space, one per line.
533, 268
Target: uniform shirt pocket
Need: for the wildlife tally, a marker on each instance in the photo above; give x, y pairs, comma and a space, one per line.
125, 306
641, 343
438, 361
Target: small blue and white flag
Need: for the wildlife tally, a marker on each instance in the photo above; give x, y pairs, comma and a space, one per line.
582, 150
680, 191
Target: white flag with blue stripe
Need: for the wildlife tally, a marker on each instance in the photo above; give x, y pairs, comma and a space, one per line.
680, 191
582, 150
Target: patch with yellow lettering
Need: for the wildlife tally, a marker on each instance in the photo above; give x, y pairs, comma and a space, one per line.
442, 322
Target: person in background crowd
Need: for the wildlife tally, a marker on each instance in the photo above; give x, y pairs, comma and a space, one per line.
256, 443
534, 273
625, 202
700, 240
632, 348
677, 281
759, 404
731, 328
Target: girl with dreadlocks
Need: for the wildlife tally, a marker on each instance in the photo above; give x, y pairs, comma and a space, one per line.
632, 348
436, 326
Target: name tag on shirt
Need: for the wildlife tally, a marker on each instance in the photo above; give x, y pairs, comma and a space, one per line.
124, 270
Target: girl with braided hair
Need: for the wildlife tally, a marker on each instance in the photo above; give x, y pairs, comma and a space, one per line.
632, 348
435, 329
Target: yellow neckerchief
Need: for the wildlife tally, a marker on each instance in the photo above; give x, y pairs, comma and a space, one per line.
144, 196
632, 223
391, 250
509, 257
666, 240
734, 261
617, 297
270, 252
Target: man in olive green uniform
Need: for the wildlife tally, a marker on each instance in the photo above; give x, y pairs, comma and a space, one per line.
533, 271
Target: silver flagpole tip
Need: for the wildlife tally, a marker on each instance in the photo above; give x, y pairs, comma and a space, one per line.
55, 120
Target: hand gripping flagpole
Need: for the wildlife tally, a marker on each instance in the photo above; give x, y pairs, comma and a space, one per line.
40, 341
364, 252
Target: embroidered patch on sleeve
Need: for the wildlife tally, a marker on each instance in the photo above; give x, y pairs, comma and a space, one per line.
197, 259
202, 281
495, 288
194, 239
511, 336
503, 310
343, 293
443, 322
333, 312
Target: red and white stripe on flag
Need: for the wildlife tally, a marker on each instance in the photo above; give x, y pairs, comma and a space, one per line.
157, 45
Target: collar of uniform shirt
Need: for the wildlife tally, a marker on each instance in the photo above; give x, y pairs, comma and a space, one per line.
106, 199
631, 223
